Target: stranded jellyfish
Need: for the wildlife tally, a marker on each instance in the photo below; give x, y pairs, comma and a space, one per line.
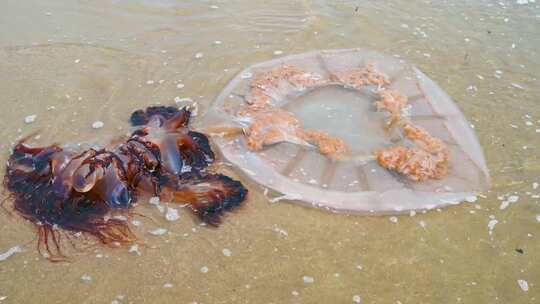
348, 130
62, 190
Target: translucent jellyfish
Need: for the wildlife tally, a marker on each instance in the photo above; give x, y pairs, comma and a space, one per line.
348, 130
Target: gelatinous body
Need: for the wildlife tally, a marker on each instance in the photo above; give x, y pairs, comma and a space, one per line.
349, 130
59, 189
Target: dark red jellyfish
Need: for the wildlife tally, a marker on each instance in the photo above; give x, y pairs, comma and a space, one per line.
60, 189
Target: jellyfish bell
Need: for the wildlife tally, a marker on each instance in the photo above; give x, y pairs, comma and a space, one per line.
348, 130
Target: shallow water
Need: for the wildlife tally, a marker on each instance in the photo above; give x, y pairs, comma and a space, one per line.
74, 63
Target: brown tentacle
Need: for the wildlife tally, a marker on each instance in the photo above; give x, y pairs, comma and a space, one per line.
47, 233
40, 239
56, 240
109, 232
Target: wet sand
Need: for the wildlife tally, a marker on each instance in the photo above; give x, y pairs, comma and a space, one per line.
74, 63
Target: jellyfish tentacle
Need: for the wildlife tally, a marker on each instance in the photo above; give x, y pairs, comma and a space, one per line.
47, 234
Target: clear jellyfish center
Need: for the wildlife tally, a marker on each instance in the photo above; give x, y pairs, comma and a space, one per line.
343, 113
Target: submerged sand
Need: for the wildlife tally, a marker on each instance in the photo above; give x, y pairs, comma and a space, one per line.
74, 64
